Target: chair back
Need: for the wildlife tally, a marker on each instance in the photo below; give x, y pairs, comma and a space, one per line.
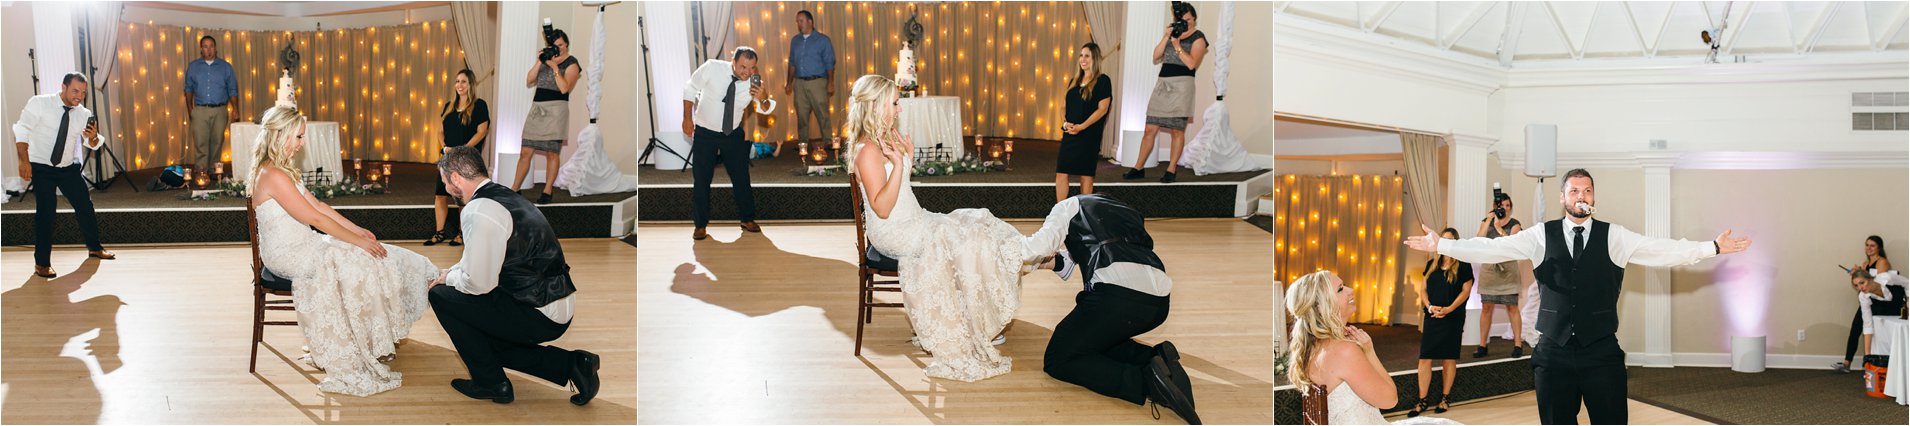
1313, 405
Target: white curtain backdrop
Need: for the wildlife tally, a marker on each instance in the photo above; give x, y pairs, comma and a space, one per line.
476, 24
1106, 20
1215, 149
590, 170
99, 21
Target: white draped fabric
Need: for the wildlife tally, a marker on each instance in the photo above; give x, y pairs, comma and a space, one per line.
99, 22
933, 121
1215, 149
1106, 19
590, 170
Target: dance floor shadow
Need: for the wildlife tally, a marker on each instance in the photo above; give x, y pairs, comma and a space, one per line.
735, 276
428, 370
41, 338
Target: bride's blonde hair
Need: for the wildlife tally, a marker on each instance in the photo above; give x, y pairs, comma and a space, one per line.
869, 106
1315, 321
273, 148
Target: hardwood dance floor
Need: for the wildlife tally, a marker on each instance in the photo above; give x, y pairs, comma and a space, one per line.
760, 328
1519, 409
160, 336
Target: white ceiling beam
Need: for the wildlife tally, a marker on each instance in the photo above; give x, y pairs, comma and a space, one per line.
1379, 17
1882, 40
1816, 30
1465, 26
1514, 26
1559, 23
1651, 50
1738, 16
1637, 33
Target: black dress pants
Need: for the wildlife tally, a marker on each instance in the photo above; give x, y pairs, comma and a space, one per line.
1094, 345
492, 332
48, 182
706, 147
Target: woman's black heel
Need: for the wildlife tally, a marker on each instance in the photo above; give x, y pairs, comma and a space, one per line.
1445, 403
1418, 407
436, 237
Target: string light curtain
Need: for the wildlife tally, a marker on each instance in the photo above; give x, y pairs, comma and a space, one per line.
1009, 62
1346, 224
383, 85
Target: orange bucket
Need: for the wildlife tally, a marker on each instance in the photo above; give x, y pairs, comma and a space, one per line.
1874, 374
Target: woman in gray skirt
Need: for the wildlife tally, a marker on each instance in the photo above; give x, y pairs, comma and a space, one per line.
549, 121
1499, 282
1172, 102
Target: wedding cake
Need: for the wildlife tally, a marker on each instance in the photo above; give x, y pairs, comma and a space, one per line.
285, 91
905, 67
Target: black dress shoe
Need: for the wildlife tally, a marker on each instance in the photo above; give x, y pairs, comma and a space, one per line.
1133, 174
1479, 353
584, 374
1169, 353
1167, 178
1163, 392
1518, 351
544, 198
499, 394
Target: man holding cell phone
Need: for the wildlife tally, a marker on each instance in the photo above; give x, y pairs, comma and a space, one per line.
715, 105
52, 131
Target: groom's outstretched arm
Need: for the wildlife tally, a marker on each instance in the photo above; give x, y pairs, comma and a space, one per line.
1054, 229
1632, 248
1528, 244
487, 227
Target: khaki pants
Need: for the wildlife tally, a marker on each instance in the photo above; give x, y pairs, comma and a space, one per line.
208, 134
812, 99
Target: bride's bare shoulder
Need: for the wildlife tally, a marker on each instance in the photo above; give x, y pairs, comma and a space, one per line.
270, 182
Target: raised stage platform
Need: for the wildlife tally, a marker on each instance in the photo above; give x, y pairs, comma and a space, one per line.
403, 212
1026, 190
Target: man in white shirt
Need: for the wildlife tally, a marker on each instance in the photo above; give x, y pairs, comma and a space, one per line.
715, 107
1579, 263
510, 294
52, 131
1124, 294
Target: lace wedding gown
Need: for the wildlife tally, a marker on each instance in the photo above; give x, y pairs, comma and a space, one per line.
961, 277
1343, 407
352, 308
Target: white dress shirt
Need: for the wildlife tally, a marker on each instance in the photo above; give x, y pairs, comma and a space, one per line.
1884, 282
706, 90
487, 226
40, 123
1133, 276
1624, 246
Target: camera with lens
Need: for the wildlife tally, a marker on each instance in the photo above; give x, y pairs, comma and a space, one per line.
550, 42
1181, 8
1498, 196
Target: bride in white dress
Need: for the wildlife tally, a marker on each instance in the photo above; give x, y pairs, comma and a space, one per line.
356, 297
960, 271
1327, 352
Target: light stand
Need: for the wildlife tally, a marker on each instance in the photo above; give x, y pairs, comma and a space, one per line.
650, 95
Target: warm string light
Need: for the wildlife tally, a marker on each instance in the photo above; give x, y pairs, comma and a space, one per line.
1018, 67
394, 59
1347, 224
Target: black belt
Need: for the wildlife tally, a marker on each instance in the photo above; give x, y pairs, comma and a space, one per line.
210, 105
811, 78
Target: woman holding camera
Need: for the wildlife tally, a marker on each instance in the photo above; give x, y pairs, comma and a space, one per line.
1499, 282
549, 122
1179, 53
466, 121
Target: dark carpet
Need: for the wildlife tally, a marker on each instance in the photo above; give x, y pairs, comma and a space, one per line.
1775, 396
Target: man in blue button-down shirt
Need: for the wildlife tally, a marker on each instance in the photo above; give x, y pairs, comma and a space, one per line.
811, 76
210, 87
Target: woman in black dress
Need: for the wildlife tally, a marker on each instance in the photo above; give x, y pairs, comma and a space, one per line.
1089, 94
1447, 283
466, 121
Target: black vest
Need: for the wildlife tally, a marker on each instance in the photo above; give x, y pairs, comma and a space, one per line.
534, 272
1106, 231
1890, 308
1578, 299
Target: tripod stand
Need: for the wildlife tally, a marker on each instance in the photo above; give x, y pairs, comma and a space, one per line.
650, 94
92, 69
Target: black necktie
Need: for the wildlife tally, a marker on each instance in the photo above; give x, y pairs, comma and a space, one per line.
729, 105
1578, 242
59, 138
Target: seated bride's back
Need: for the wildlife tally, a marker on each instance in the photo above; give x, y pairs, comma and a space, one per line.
1342, 361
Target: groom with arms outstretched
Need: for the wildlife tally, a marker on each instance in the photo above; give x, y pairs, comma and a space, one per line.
1580, 266
510, 294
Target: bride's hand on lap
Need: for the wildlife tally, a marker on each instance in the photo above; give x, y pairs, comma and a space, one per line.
371, 246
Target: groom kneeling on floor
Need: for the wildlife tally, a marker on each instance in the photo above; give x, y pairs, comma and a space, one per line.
510, 293
1124, 294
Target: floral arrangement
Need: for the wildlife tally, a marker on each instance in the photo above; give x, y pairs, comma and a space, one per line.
323, 189
924, 168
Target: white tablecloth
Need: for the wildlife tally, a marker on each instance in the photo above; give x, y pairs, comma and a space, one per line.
1893, 338
930, 120
321, 148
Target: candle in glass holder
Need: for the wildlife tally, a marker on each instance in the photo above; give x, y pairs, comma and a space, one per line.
994, 152
387, 170
188, 176
373, 177
218, 168
818, 156
357, 164
1008, 146
835, 143
802, 148
201, 180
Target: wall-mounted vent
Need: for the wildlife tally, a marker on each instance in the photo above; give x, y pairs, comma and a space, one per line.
1880, 111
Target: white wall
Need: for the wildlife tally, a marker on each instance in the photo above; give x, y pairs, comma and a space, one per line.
1319, 74
16, 36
